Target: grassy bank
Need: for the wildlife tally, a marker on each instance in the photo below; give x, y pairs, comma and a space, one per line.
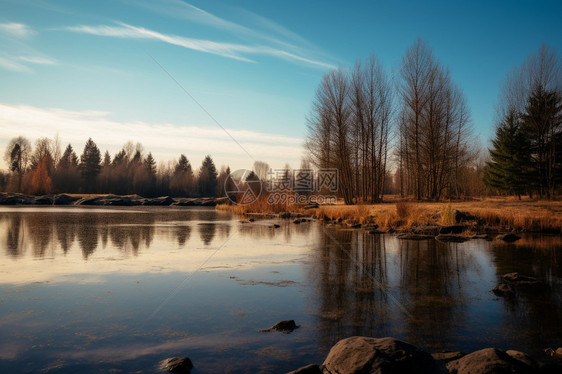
504, 214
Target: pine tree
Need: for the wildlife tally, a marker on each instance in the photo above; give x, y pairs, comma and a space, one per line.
542, 122
509, 167
181, 182
90, 165
208, 177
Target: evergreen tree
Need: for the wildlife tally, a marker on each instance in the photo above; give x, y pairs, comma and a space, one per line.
90, 165
509, 167
207, 177
66, 177
542, 122
181, 182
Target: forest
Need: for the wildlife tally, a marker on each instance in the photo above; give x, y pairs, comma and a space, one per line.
44, 169
408, 134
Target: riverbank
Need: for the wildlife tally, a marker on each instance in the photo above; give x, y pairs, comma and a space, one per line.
477, 216
105, 200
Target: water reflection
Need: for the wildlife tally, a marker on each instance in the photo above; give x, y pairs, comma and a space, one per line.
434, 294
41, 231
104, 271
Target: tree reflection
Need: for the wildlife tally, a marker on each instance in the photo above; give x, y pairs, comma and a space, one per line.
14, 236
413, 290
183, 233
88, 235
207, 232
536, 312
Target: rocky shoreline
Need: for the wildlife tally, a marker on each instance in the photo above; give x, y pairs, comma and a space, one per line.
360, 354
105, 200
366, 355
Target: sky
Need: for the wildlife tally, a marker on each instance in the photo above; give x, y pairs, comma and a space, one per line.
235, 79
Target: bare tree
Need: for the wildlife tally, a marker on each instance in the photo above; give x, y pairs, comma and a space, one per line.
17, 155
435, 133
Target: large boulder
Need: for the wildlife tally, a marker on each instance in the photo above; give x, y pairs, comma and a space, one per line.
377, 355
493, 361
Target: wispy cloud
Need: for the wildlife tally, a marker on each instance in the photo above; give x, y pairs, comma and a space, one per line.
19, 30
21, 63
229, 50
10, 64
285, 42
133, 32
166, 141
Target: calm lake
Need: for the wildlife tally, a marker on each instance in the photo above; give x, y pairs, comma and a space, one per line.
117, 290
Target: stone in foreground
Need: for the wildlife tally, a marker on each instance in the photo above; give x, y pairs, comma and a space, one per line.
181, 365
491, 361
377, 356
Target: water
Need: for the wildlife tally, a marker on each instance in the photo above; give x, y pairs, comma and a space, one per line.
118, 290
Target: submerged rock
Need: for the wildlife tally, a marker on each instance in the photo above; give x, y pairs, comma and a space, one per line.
503, 290
451, 238
518, 279
286, 327
453, 229
509, 238
491, 361
412, 236
181, 365
371, 355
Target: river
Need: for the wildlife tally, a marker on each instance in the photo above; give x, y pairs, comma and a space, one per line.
119, 289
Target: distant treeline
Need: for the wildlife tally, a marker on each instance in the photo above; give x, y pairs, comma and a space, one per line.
45, 169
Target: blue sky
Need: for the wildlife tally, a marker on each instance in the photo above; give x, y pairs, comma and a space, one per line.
85, 69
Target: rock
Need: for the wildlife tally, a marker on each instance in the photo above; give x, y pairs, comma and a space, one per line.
276, 226
251, 220
518, 279
462, 216
412, 236
427, 230
285, 215
177, 365
480, 236
308, 369
15, 199
159, 201
44, 200
451, 238
453, 229
492, 361
377, 356
286, 327
355, 225
64, 199
297, 221
447, 356
509, 238
503, 290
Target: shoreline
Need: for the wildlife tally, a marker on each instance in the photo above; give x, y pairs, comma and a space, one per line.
463, 218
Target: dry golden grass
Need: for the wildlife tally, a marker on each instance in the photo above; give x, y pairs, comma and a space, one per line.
504, 213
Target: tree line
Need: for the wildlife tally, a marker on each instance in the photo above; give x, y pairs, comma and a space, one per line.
362, 121
526, 153
44, 169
